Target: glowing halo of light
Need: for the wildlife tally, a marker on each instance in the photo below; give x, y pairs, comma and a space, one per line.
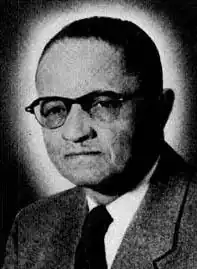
42, 28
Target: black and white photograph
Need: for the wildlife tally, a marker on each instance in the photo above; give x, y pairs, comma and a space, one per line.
98, 115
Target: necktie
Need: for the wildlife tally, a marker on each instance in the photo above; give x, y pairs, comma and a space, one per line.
90, 252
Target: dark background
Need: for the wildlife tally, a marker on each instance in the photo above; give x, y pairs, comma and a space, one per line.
15, 192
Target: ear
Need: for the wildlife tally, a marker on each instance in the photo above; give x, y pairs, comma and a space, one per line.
167, 101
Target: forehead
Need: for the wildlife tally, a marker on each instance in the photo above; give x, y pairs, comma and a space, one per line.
75, 67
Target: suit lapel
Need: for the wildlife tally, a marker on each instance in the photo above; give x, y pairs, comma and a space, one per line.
152, 235
68, 235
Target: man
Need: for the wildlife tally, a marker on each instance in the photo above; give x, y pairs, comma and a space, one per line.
102, 109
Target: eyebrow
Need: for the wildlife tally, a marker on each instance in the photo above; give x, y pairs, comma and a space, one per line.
93, 94
99, 92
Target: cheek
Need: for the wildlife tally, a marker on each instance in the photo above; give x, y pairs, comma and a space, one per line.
121, 147
52, 143
116, 141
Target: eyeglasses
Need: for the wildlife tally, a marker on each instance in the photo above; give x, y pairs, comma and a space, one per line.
52, 112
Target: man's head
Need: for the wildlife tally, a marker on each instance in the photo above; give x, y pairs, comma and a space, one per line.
115, 124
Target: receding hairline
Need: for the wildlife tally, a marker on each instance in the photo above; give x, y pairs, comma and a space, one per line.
118, 51
135, 43
65, 40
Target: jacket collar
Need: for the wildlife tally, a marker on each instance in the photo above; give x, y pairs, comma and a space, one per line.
67, 236
152, 235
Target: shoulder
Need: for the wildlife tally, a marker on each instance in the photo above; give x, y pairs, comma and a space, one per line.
48, 210
174, 162
174, 175
36, 226
173, 168
191, 199
184, 175
188, 220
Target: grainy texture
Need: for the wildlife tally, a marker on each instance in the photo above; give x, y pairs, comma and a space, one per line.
163, 234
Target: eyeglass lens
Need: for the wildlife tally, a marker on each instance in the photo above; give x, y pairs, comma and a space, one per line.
53, 113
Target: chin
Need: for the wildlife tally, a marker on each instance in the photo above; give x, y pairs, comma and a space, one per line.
86, 182
92, 173
88, 177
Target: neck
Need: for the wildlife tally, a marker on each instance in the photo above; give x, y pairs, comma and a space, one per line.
99, 198
115, 188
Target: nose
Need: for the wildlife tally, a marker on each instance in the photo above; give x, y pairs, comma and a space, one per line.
77, 127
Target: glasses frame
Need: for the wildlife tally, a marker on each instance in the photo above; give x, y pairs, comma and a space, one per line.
83, 101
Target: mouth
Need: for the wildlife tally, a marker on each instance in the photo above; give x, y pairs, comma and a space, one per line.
82, 153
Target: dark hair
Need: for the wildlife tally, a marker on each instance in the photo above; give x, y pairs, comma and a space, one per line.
140, 54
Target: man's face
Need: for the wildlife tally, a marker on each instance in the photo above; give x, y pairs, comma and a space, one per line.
86, 151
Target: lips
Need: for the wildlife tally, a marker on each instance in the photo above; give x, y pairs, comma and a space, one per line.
82, 153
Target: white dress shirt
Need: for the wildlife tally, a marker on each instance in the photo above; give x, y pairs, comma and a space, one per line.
122, 210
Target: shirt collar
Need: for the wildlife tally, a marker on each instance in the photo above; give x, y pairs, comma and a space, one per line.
126, 205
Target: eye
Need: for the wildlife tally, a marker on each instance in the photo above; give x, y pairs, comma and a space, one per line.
52, 108
107, 104
106, 110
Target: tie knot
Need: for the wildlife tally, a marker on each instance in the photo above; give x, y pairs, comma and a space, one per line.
97, 221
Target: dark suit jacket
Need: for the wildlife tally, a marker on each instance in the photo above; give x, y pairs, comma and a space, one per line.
162, 235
